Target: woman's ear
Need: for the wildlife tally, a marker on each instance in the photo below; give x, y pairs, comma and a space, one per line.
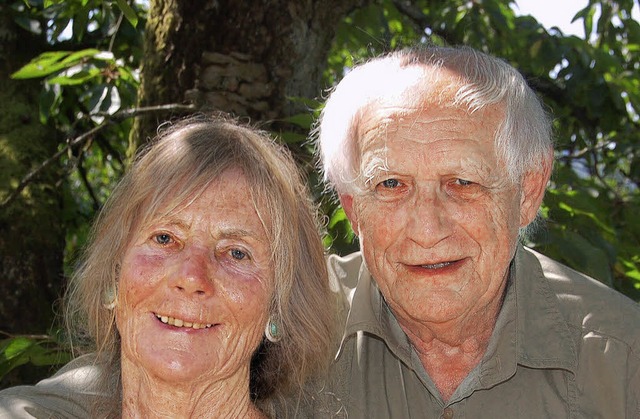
534, 184
346, 201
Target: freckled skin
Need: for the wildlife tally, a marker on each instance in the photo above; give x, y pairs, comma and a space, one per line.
430, 219
438, 225
208, 264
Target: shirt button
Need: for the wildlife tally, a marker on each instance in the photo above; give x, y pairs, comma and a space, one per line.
447, 413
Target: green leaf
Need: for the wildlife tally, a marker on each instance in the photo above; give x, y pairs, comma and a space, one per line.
289, 137
633, 28
339, 216
75, 75
80, 21
43, 357
51, 62
16, 347
47, 99
22, 350
28, 24
129, 13
303, 120
587, 15
39, 66
13, 353
76, 56
581, 254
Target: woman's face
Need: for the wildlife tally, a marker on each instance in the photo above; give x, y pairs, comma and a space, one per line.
195, 288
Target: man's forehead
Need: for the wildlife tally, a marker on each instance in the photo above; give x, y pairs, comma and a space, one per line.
436, 88
430, 134
382, 122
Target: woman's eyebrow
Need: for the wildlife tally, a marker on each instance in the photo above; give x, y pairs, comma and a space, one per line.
235, 232
167, 221
240, 233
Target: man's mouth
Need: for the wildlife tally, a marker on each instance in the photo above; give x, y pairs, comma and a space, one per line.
437, 265
172, 321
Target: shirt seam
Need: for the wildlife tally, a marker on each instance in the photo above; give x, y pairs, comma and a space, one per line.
603, 335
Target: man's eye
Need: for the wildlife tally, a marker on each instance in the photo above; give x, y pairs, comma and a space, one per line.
463, 182
162, 238
390, 183
238, 254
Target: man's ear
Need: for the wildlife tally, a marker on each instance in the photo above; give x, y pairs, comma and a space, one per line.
534, 184
346, 201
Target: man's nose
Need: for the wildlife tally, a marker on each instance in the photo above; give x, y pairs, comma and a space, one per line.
194, 273
429, 220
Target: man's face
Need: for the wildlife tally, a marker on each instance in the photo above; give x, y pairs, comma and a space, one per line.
438, 217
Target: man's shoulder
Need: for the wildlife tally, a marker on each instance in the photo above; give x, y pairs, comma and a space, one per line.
344, 271
590, 305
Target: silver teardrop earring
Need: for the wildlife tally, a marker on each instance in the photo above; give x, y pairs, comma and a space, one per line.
110, 295
109, 298
271, 332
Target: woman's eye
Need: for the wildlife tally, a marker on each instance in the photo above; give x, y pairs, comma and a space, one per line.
238, 254
390, 183
162, 238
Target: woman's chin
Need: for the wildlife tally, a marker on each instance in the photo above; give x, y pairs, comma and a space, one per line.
174, 356
176, 365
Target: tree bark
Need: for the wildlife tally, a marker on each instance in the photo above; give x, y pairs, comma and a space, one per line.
249, 58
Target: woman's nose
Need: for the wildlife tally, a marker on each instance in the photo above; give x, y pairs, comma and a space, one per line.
194, 273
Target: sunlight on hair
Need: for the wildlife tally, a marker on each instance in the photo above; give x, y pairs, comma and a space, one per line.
384, 84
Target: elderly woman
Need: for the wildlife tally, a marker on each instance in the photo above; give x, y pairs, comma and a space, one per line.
203, 291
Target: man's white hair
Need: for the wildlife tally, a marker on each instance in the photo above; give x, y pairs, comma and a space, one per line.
410, 80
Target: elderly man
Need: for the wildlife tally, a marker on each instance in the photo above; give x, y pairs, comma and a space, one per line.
440, 157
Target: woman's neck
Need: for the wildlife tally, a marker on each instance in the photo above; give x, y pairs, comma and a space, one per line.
145, 396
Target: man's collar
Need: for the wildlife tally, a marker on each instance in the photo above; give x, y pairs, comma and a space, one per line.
538, 336
544, 338
367, 310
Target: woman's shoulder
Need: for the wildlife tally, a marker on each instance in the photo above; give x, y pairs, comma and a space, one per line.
66, 394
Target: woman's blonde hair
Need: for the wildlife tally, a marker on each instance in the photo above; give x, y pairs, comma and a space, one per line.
179, 164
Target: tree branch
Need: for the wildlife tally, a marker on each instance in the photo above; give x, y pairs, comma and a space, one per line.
420, 20
36, 337
87, 184
115, 32
108, 149
83, 138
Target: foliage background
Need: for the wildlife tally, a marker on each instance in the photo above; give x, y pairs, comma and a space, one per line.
88, 71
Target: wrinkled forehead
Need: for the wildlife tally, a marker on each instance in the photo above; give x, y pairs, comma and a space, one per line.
386, 132
168, 200
420, 88
425, 90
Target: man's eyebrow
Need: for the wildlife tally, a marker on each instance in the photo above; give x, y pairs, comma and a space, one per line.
373, 167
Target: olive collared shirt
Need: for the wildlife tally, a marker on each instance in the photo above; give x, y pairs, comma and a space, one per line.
564, 346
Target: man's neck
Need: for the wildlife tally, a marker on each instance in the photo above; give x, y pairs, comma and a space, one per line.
450, 351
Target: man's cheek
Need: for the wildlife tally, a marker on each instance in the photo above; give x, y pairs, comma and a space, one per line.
379, 225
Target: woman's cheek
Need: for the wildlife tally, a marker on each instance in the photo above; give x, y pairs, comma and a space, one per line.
250, 269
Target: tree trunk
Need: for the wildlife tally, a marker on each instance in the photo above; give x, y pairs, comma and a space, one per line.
249, 58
